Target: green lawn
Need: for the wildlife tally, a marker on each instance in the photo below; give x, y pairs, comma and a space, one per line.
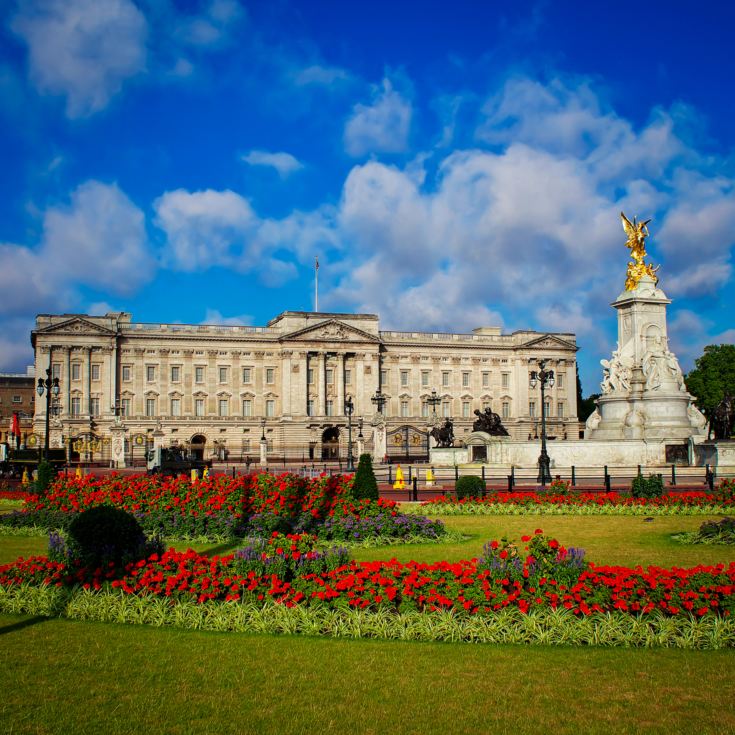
69, 677
61, 676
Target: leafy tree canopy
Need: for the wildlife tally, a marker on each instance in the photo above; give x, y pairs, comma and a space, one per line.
713, 377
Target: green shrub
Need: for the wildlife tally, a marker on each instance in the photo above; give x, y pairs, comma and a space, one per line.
364, 484
44, 477
102, 535
469, 486
647, 487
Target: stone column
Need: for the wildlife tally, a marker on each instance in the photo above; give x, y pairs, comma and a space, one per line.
89, 381
322, 396
380, 448
117, 446
306, 383
264, 452
358, 381
340, 380
286, 383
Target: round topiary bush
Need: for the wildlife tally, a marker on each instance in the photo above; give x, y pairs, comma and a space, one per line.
469, 487
647, 487
103, 534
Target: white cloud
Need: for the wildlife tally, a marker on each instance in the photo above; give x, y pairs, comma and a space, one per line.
82, 49
211, 28
214, 316
381, 127
320, 75
98, 239
283, 163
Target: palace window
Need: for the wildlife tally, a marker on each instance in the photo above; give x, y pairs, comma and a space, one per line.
76, 370
150, 373
127, 373
150, 406
506, 410
465, 380
223, 376
94, 407
247, 407
310, 407
310, 376
547, 409
176, 407
330, 376
224, 406
199, 407
404, 378
445, 409
125, 406
95, 371
559, 379
76, 406
175, 373
425, 378
532, 409
404, 409
246, 375
465, 409
348, 377
270, 408
56, 370
560, 410
270, 375
383, 378
505, 380
486, 380
330, 408
424, 409
445, 379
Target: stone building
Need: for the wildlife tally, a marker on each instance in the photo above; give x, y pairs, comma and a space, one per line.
17, 395
220, 389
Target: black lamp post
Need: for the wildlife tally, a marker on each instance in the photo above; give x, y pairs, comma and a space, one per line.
262, 426
360, 437
349, 408
379, 399
543, 377
434, 400
51, 386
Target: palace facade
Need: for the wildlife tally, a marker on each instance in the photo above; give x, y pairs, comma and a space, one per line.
222, 389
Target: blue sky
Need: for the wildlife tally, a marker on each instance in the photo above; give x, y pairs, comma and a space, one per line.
453, 165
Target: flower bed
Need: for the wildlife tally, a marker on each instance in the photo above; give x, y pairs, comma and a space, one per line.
582, 503
719, 533
542, 576
225, 508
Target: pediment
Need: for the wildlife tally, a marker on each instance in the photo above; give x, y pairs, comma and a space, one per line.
77, 325
550, 342
331, 330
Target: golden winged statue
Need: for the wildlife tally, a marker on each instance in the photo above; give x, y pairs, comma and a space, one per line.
637, 233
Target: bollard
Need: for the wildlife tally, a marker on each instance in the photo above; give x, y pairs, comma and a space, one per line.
410, 473
510, 483
607, 481
415, 482
574, 477
640, 474
484, 482
390, 474
233, 471
456, 472
513, 476
673, 475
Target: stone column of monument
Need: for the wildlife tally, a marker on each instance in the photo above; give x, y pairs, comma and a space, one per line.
380, 447
117, 444
643, 390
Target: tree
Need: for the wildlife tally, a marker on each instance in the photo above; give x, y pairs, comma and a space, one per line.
364, 484
585, 406
713, 377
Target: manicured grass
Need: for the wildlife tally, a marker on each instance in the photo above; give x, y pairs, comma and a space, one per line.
60, 676
623, 540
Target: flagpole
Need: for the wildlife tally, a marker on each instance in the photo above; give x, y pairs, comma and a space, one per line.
316, 283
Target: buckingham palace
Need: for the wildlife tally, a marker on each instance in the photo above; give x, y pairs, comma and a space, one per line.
223, 391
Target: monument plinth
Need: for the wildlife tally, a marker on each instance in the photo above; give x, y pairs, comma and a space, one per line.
643, 390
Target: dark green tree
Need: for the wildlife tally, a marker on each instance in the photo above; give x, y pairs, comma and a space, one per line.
585, 406
364, 484
713, 377
44, 477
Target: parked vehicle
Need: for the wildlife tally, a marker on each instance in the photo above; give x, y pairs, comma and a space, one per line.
14, 461
173, 461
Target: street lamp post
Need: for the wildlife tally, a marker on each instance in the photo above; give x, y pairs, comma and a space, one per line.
349, 408
379, 399
262, 426
434, 400
543, 377
51, 386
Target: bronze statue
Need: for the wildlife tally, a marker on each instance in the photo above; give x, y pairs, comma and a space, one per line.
489, 422
722, 420
637, 233
444, 435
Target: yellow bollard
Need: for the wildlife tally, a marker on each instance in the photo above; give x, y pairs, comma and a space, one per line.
194, 476
430, 479
78, 473
205, 473
25, 480
399, 484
